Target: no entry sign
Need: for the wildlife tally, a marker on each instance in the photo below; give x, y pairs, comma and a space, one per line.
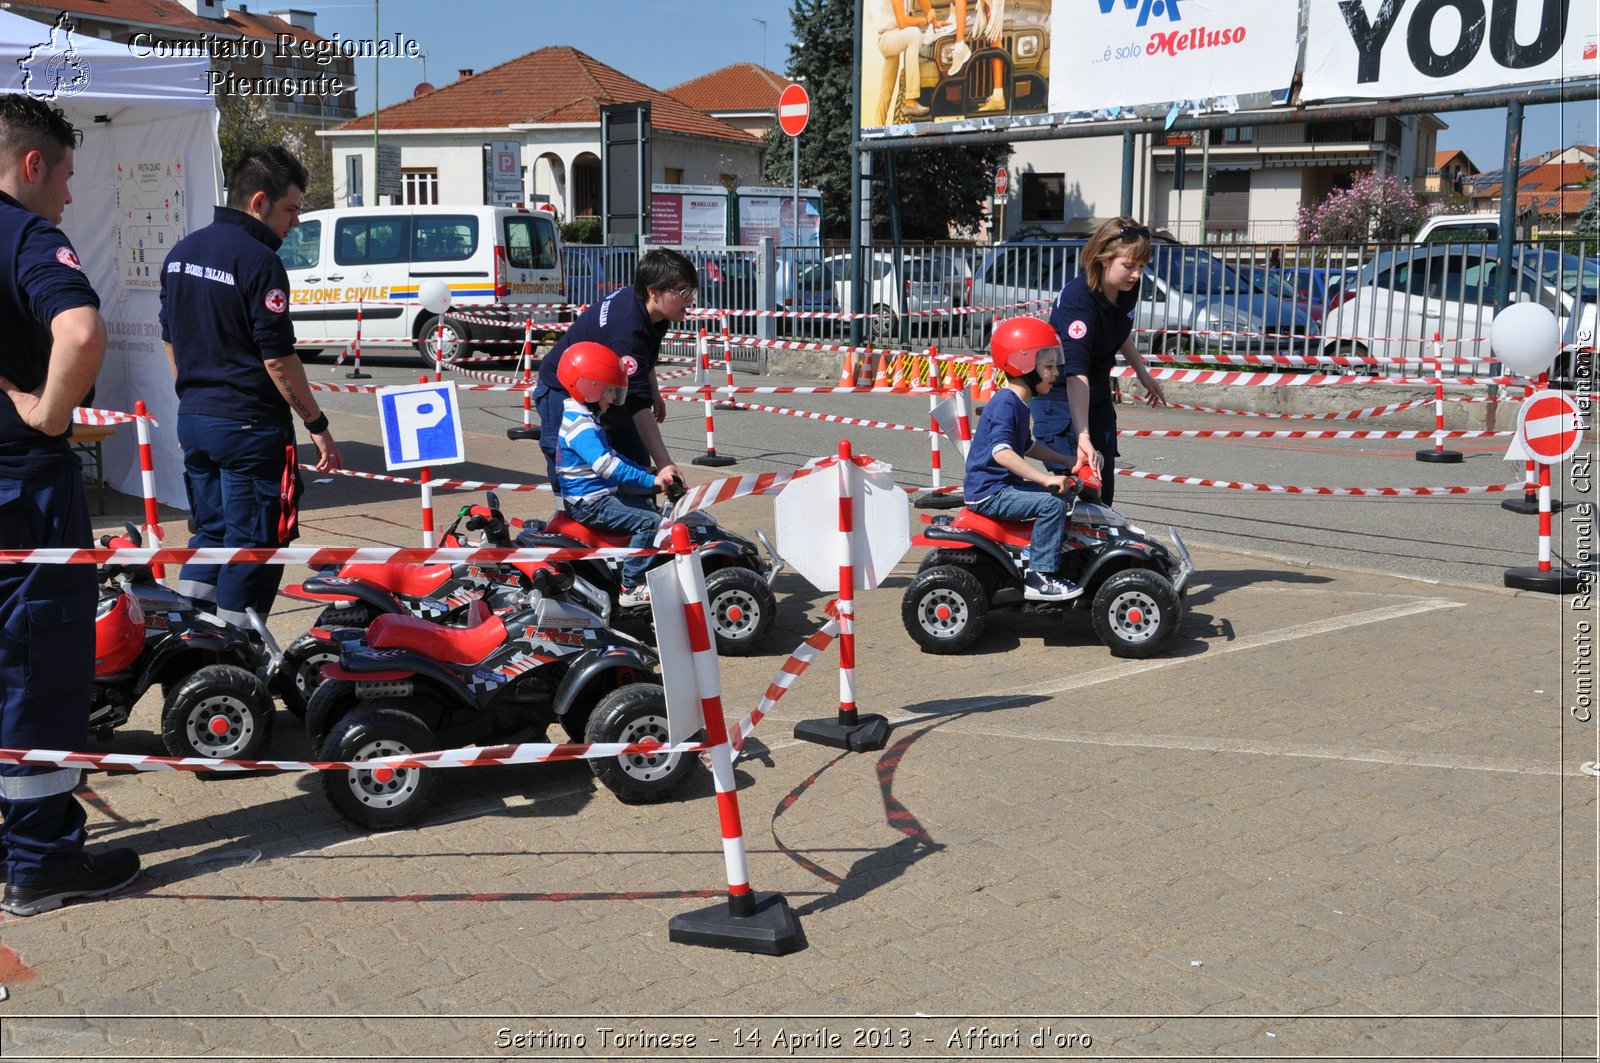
1548, 427
794, 108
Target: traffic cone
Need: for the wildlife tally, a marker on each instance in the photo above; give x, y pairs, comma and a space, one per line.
986, 389
950, 383
882, 379
847, 377
899, 380
864, 370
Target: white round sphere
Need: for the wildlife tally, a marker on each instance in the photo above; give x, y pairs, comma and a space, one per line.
1526, 337
434, 295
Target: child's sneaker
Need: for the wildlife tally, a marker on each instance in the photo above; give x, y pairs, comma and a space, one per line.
1038, 587
631, 597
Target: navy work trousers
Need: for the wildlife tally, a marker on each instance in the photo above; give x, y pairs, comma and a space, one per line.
244, 490
46, 667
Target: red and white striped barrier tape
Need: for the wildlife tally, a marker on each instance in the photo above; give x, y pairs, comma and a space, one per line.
1224, 433
437, 485
1355, 492
1217, 358
719, 491
1342, 415
311, 556
1301, 337
812, 415
1300, 380
85, 415
788, 674
802, 389
840, 315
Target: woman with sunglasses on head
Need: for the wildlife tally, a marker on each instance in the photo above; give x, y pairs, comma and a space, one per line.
1093, 315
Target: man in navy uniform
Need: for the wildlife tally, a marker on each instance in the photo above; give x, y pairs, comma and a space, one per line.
225, 323
54, 342
632, 322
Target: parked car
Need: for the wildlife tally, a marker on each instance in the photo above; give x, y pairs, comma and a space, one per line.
594, 272
920, 284
1399, 300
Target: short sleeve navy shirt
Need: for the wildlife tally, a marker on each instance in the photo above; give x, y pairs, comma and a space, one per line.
1092, 330
225, 310
1005, 425
40, 278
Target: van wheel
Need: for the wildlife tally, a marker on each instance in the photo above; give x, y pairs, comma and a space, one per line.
883, 330
442, 337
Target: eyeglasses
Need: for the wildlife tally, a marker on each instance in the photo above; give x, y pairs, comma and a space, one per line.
688, 295
1133, 232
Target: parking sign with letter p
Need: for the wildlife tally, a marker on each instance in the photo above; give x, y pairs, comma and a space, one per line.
421, 425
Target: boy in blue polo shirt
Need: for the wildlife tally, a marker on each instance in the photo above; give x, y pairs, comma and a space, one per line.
1000, 484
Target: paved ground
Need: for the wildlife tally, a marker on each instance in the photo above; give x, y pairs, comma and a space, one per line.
1348, 815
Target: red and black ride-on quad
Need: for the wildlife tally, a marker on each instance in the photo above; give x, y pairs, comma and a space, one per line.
355, 594
407, 685
216, 679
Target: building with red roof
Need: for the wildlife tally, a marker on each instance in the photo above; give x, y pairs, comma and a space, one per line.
741, 94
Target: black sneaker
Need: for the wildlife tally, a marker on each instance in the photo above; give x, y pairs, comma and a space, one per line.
1037, 587
96, 876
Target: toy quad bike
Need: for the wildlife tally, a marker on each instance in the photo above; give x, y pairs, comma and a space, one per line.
1132, 584
407, 685
357, 594
738, 580
216, 679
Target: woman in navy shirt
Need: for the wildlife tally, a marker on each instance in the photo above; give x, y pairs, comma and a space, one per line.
1093, 315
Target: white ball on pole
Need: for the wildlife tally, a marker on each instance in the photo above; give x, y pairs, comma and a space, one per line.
1526, 337
434, 295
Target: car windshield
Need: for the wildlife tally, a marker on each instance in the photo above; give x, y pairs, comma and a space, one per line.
1571, 274
924, 270
1195, 272
1273, 284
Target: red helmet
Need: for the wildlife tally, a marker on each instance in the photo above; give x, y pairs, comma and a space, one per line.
1016, 344
588, 368
118, 634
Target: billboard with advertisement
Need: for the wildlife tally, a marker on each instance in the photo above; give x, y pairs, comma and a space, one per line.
769, 212
1377, 49
689, 215
931, 67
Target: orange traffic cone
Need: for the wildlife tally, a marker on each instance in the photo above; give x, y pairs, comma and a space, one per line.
847, 377
899, 380
950, 383
986, 389
882, 379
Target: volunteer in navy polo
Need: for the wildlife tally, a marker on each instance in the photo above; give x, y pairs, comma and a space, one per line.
632, 322
1093, 315
225, 321
54, 342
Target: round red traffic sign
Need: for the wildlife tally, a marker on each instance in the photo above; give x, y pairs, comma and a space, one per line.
794, 107
1002, 181
1548, 427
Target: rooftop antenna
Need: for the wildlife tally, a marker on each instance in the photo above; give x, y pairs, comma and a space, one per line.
763, 40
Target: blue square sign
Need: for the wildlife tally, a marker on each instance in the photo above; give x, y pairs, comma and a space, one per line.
421, 425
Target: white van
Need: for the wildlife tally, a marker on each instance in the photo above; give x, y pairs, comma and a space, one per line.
372, 260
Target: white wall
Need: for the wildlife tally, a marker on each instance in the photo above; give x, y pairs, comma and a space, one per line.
1093, 169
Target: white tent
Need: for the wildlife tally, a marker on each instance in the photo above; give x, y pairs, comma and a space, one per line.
148, 172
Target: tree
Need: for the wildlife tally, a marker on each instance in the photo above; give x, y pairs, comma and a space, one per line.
939, 188
1588, 223
244, 121
1374, 207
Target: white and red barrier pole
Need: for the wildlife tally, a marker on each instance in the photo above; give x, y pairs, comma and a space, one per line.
355, 348
727, 368
703, 362
850, 730
1529, 502
1438, 454
425, 478
528, 429
147, 483
746, 923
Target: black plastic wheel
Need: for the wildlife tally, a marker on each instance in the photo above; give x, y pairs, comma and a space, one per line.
384, 798
632, 714
302, 671
743, 610
1136, 613
331, 700
945, 609
221, 712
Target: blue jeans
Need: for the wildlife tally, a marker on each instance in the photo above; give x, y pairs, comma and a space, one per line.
244, 490
1031, 502
629, 513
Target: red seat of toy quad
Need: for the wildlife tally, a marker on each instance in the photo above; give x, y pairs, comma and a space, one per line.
414, 581
456, 645
561, 524
1009, 532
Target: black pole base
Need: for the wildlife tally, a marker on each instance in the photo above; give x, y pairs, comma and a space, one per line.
770, 929
1440, 457
1529, 504
728, 407
356, 374
869, 732
1559, 580
522, 432
711, 457
927, 498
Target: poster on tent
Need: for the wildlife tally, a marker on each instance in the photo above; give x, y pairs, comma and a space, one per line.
152, 215
769, 213
689, 215
1366, 49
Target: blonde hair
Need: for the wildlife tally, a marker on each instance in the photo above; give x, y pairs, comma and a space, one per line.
1109, 242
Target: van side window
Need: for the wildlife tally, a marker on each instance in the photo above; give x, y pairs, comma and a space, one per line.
445, 238
371, 241
530, 242
302, 247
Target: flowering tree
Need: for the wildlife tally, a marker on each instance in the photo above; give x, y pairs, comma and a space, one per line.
1374, 207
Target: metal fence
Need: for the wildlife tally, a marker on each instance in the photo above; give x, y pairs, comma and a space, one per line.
1279, 300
